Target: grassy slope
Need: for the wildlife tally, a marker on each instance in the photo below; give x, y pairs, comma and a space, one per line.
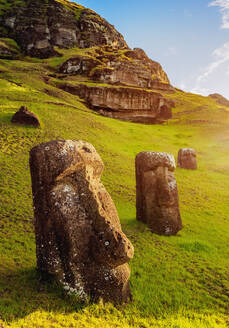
176, 282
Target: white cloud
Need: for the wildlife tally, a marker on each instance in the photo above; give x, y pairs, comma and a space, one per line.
213, 77
224, 9
221, 57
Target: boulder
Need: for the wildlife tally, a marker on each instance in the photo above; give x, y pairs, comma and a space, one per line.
187, 158
79, 239
156, 192
25, 117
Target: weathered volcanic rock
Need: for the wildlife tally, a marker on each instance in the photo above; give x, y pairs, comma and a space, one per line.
140, 56
220, 99
25, 117
130, 76
79, 65
187, 158
130, 73
39, 25
156, 192
132, 104
79, 239
115, 67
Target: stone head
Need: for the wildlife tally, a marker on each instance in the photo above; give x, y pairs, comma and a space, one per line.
157, 198
78, 232
187, 158
55, 160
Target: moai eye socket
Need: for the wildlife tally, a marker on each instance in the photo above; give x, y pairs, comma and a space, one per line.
87, 150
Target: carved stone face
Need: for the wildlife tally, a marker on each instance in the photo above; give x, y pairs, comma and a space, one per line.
157, 196
187, 158
78, 233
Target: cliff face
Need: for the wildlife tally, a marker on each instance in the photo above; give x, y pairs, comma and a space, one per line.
125, 67
39, 25
113, 79
123, 84
128, 104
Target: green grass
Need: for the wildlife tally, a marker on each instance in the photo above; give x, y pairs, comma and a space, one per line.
8, 5
9, 44
177, 282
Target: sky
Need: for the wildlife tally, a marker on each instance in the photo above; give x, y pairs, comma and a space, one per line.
190, 39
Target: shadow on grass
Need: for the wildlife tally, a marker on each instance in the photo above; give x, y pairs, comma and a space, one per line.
5, 118
22, 292
165, 280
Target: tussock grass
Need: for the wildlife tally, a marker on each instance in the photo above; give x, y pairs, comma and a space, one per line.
176, 282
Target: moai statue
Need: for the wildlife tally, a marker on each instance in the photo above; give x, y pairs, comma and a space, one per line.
156, 192
79, 239
187, 158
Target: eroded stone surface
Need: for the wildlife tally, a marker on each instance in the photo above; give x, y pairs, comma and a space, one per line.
130, 79
117, 67
123, 103
39, 25
25, 117
187, 158
156, 192
78, 233
79, 65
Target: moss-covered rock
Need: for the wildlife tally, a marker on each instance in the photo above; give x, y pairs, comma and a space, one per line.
39, 25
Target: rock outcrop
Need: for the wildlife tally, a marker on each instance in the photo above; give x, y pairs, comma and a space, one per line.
79, 239
124, 103
129, 75
156, 193
25, 117
187, 159
39, 25
220, 99
112, 66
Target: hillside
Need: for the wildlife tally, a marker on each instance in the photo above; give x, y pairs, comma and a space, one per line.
176, 282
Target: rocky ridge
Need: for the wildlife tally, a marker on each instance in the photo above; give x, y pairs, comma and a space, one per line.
40, 25
113, 79
220, 99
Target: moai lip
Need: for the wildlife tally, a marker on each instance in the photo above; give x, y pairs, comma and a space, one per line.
79, 238
157, 200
